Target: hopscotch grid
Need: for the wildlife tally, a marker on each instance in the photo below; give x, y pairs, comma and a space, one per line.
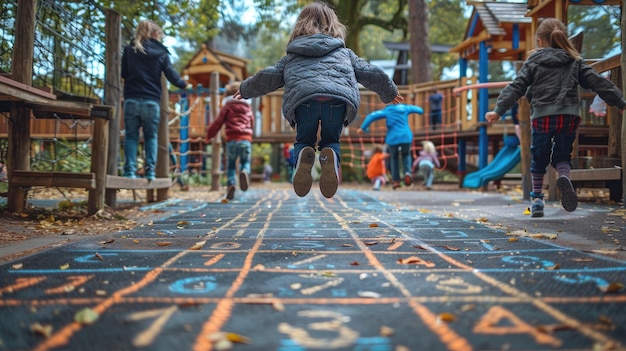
541, 305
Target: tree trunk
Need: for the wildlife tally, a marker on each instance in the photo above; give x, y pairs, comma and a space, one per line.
420, 45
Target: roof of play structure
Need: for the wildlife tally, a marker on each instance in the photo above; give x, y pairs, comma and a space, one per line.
495, 22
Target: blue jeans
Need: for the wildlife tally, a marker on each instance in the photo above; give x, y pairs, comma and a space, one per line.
145, 114
426, 169
552, 141
237, 149
330, 113
395, 152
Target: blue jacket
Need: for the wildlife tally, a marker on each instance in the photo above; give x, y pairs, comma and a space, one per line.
142, 72
397, 119
319, 66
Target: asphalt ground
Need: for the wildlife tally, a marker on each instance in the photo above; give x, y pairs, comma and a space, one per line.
388, 270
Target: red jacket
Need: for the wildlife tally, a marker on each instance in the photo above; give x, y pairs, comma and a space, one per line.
238, 118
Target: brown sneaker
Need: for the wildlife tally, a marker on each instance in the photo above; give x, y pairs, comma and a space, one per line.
230, 192
329, 179
569, 200
302, 178
243, 181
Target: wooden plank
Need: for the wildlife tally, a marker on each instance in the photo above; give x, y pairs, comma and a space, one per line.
12, 87
117, 182
43, 109
596, 174
54, 179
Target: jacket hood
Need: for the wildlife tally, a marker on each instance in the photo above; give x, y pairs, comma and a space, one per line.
316, 45
154, 48
551, 57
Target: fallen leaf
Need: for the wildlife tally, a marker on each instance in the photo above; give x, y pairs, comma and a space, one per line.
370, 243
198, 245
44, 330
369, 294
64, 267
86, 316
386, 331
237, 338
513, 240
452, 248
611, 288
17, 266
373, 225
278, 306
106, 241
355, 263
482, 219
555, 267
415, 260
97, 256
163, 243
347, 245
527, 211
446, 317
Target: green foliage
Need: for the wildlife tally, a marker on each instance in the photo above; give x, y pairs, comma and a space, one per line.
601, 28
447, 25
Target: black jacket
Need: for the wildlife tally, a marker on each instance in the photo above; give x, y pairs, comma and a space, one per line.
142, 72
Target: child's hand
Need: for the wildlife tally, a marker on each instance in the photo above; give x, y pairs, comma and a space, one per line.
492, 116
237, 95
398, 99
359, 131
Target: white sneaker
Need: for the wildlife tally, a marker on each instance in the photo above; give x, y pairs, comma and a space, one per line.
302, 178
329, 179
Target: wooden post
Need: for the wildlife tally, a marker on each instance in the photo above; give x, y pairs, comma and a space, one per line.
99, 148
18, 157
113, 94
216, 160
523, 116
163, 156
623, 67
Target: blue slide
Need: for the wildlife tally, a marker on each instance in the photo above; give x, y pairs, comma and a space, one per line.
504, 162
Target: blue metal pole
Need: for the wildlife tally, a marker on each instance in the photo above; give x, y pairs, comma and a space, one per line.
483, 106
184, 133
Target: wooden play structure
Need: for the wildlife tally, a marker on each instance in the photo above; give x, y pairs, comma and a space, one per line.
496, 31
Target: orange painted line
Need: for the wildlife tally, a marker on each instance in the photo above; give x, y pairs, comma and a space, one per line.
75, 281
223, 310
448, 336
213, 259
539, 303
63, 336
21, 283
51, 302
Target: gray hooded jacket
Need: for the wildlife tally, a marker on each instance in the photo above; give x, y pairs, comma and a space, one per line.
319, 66
550, 80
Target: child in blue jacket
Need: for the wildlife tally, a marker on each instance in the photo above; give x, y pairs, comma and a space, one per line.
399, 137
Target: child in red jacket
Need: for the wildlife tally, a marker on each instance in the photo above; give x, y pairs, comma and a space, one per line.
237, 116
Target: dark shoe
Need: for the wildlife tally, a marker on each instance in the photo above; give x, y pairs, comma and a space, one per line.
396, 185
243, 181
569, 200
302, 178
536, 210
230, 193
407, 179
329, 179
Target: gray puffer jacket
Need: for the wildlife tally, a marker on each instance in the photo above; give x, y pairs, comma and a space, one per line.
319, 66
550, 79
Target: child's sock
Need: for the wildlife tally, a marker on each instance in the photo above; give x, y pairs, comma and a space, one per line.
537, 181
563, 169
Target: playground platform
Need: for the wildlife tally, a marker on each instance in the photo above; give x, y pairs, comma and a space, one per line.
386, 270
